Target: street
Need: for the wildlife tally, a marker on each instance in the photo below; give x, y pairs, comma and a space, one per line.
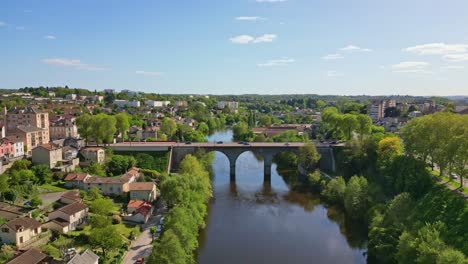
142, 246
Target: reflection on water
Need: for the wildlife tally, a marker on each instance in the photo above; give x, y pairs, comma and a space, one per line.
253, 222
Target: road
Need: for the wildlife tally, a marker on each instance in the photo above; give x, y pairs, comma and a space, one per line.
142, 246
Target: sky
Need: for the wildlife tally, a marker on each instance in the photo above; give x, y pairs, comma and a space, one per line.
237, 46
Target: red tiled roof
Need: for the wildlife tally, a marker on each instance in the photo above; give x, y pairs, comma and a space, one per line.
107, 180
25, 222
144, 210
32, 256
73, 208
137, 204
49, 146
141, 186
73, 195
76, 176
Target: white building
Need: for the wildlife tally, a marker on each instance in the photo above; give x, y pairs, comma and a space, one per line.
70, 96
123, 103
229, 104
130, 93
152, 103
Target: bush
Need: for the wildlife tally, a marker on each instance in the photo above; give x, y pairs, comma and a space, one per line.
116, 219
36, 201
335, 190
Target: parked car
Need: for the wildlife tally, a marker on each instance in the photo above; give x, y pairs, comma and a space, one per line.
158, 229
161, 221
454, 176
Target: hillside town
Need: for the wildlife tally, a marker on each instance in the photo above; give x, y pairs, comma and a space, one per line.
62, 182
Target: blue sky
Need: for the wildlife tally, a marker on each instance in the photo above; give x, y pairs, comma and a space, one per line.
238, 46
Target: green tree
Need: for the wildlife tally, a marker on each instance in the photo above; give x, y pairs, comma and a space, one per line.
308, 156
43, 173
364, 123
102, 206
355, 198
168, 127
168, 251
335, 190
4, 185
203, 128
122, 124
106, 239
452, 256
85, 126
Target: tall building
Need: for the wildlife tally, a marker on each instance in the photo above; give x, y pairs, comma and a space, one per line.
376, 110
229, 104
27, 116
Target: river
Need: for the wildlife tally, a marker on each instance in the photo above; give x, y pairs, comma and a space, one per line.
249, 222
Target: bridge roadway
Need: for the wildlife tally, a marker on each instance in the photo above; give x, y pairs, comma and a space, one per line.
232, 150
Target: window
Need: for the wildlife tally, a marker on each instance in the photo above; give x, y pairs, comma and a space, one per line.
5, 230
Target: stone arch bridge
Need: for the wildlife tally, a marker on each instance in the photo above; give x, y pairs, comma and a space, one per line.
232, 151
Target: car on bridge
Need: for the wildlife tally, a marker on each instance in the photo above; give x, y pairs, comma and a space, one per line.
219, 142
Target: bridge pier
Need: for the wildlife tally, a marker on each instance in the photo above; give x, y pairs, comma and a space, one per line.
267, 161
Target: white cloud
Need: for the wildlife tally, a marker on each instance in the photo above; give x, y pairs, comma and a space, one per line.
147, 73
50, 37
277, 62
265, 38
456, 57
438, 49
242, 39
250, 18
452, 67
246, 39
270, 1
335, 56
2, 24
73, 63
352, 48
411, 67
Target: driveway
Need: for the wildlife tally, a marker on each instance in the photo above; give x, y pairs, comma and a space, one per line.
142, 246
49, 198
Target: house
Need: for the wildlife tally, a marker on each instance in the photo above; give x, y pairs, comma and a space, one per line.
10, 211
6, 148
31, 256
138, 211
145, 191
20, 231
152, 103
123, 103
228, 104
64, 127
133, 205
70, 197
93, 154
68, 217
113, 186
31, 136
48, 154
76, 180
87, 257
73, 142
69, 153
